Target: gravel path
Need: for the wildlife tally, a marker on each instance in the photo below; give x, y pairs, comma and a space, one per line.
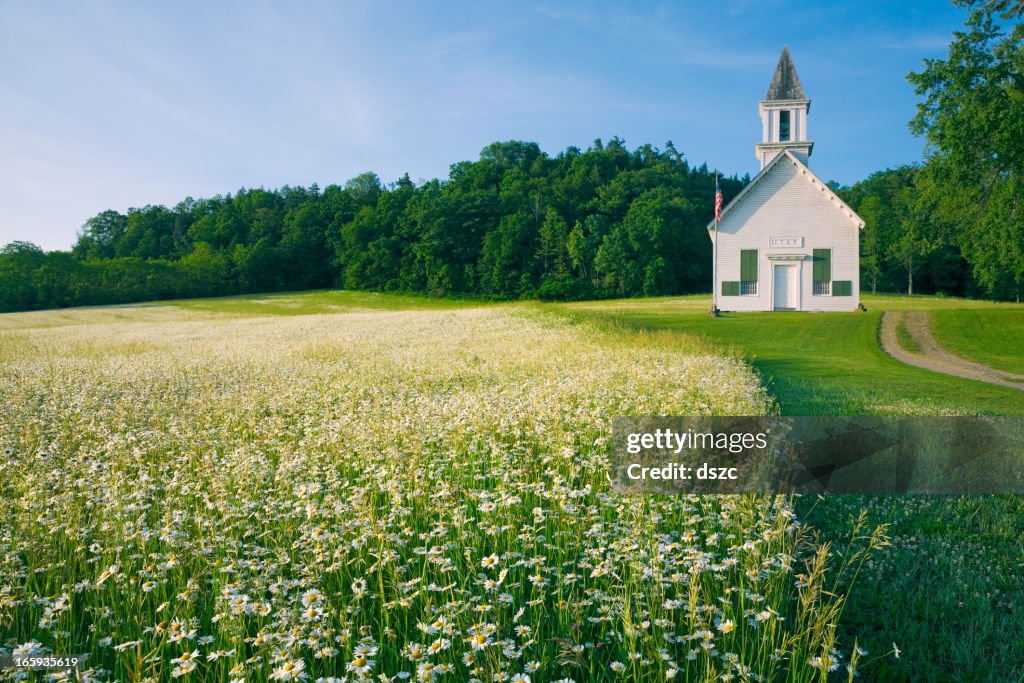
934, 357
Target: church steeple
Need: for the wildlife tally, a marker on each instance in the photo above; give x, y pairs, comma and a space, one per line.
785, 83
784, 115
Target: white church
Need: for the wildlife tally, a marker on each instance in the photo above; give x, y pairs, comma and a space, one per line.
787, 242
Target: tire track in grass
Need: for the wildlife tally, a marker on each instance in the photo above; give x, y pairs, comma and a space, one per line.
932, 356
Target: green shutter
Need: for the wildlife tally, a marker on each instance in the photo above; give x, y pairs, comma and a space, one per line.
822, 265
730, 288
842, 288
748, 265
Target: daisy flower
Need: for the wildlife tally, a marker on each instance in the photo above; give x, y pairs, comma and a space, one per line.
290, 671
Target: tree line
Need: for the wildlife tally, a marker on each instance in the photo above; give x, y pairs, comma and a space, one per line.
600, 222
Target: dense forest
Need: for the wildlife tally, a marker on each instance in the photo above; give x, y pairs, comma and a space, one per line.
600, 222
515, 223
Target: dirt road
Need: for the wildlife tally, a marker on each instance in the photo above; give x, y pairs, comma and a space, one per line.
932, 356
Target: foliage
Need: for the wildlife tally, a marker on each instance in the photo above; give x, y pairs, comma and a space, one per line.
954, 224
972, 116
903, 246
515, 223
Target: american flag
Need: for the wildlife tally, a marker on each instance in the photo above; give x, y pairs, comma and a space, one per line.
718, 201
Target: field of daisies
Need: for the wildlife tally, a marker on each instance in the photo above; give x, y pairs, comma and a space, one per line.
383, 495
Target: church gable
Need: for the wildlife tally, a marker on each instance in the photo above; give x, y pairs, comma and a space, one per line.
788, 186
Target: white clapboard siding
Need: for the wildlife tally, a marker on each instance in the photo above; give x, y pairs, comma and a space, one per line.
786, 200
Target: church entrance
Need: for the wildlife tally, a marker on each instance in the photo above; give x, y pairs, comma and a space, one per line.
785, 287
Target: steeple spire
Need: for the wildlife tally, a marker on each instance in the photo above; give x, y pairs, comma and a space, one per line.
784, 115
785, 83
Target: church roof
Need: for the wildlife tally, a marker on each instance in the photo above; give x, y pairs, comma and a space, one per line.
785, 83
806, 172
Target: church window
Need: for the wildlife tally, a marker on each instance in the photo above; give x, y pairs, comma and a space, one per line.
748, 271
783, 126
822, 267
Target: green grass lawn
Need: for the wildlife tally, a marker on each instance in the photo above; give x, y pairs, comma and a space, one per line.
827, 363
947, 592
994, 337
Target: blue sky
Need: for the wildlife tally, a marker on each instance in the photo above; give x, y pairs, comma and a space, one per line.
114, 105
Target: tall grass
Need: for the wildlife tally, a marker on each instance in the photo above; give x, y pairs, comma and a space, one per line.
395, 494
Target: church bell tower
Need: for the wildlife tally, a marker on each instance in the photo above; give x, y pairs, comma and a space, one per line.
784, 115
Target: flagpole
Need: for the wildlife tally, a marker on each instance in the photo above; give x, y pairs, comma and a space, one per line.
714, 258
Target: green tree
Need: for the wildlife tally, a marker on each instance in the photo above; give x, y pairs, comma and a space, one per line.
972, 115
18, 261
100, 235
553, 248
149, 233
871, 249
915, 239
583, 243
365, 188
205, 271
305, 260
507, 256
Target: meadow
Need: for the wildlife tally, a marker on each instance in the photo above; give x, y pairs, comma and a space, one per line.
946, 591
341, 487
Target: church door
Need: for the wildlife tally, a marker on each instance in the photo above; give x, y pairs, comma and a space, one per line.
785, 287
